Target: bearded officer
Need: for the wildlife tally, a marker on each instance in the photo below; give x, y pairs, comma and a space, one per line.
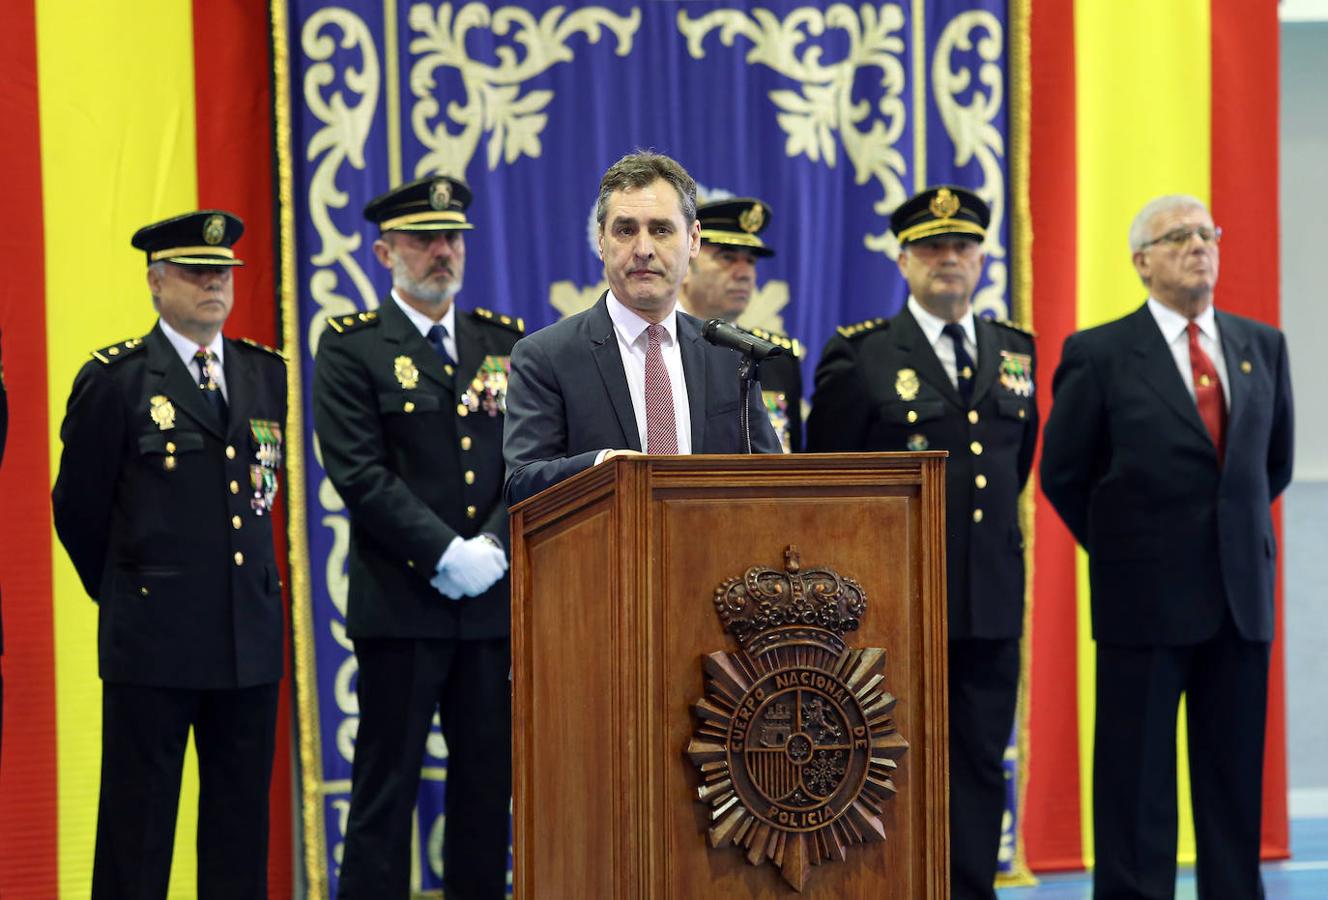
937, 377
409, 404
719, 284
172, 443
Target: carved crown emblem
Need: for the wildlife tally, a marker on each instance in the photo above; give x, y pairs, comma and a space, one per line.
795, 744
945, 204
752, 219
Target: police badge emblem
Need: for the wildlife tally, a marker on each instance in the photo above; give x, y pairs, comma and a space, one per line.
214, 229
794, 743
440, 194
752, 218
907, 385
407, 375
945, 204
162, 412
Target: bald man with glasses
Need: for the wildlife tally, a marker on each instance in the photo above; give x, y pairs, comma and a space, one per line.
1170, 435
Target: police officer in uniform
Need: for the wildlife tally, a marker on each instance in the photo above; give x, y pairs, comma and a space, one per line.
409, 405
936, 377
719, 285
172, 443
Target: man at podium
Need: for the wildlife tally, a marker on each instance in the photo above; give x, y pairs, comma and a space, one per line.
632, 373
937, 377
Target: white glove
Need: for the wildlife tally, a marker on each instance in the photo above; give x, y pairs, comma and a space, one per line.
444, 585
473, 566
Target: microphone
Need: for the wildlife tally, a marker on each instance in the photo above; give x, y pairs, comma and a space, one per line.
722, 334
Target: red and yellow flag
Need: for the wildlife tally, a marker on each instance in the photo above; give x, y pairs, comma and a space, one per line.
115, 115
1131, 100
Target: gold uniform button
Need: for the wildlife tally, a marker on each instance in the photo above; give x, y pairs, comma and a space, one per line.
973, 416
465, 442
980, 481
471, 512
447, 367
143, 591
170, 446
408, 406
1246, 366
235, 487
169, 463
410, 563
976, 447
977, 515
235, 522
114, 351
470, 477
1023, 413
239, 558
461, 410
230, 452
912, 416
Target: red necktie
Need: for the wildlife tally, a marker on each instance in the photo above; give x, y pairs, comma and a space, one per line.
1208, 393
661, 426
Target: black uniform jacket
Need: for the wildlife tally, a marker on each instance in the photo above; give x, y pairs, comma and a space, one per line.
1172, 539
781, 388
416, 454
570, 400
880, 386
156, 504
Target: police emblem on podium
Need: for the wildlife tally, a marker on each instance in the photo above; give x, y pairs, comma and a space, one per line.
795, 742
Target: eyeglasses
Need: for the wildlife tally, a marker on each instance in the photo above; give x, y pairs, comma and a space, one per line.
1179, 237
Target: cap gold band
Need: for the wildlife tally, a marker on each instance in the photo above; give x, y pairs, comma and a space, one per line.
731, 237
941, 226
448, 216
191, 251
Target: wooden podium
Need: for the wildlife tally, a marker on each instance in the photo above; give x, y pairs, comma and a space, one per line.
626, 685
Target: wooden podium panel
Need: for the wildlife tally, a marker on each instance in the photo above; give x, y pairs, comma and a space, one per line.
614, 578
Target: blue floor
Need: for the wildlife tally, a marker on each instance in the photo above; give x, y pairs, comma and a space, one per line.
1303, 877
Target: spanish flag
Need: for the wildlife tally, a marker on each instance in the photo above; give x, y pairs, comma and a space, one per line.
115, 115
1132, 99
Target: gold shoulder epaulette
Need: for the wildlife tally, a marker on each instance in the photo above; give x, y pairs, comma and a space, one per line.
264, 347
513, 323
116, 352
343, 324
780, 340
1015, 328
861, 328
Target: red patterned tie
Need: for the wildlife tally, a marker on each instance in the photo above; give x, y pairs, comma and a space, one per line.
1208, 393
661, 427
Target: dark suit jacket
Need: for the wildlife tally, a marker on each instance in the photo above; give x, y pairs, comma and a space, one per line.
160, 523
1172, 539
415, 466
569, 400
860, 404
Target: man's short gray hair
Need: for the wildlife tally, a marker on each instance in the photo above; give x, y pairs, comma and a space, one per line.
1139, 228
639, 169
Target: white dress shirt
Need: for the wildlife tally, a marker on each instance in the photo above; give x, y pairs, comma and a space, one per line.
932, 327
630, 330
424, 323
187, 347
1175, 332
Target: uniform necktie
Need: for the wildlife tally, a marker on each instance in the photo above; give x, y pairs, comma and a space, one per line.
963, 362
211, 390
661, 426
1208, 393
435, 338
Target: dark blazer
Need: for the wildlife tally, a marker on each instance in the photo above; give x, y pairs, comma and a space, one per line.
158, 515
569, 400
414, 464
1172, 539
862, 403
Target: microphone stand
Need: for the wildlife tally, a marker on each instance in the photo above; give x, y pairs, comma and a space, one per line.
749, 370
